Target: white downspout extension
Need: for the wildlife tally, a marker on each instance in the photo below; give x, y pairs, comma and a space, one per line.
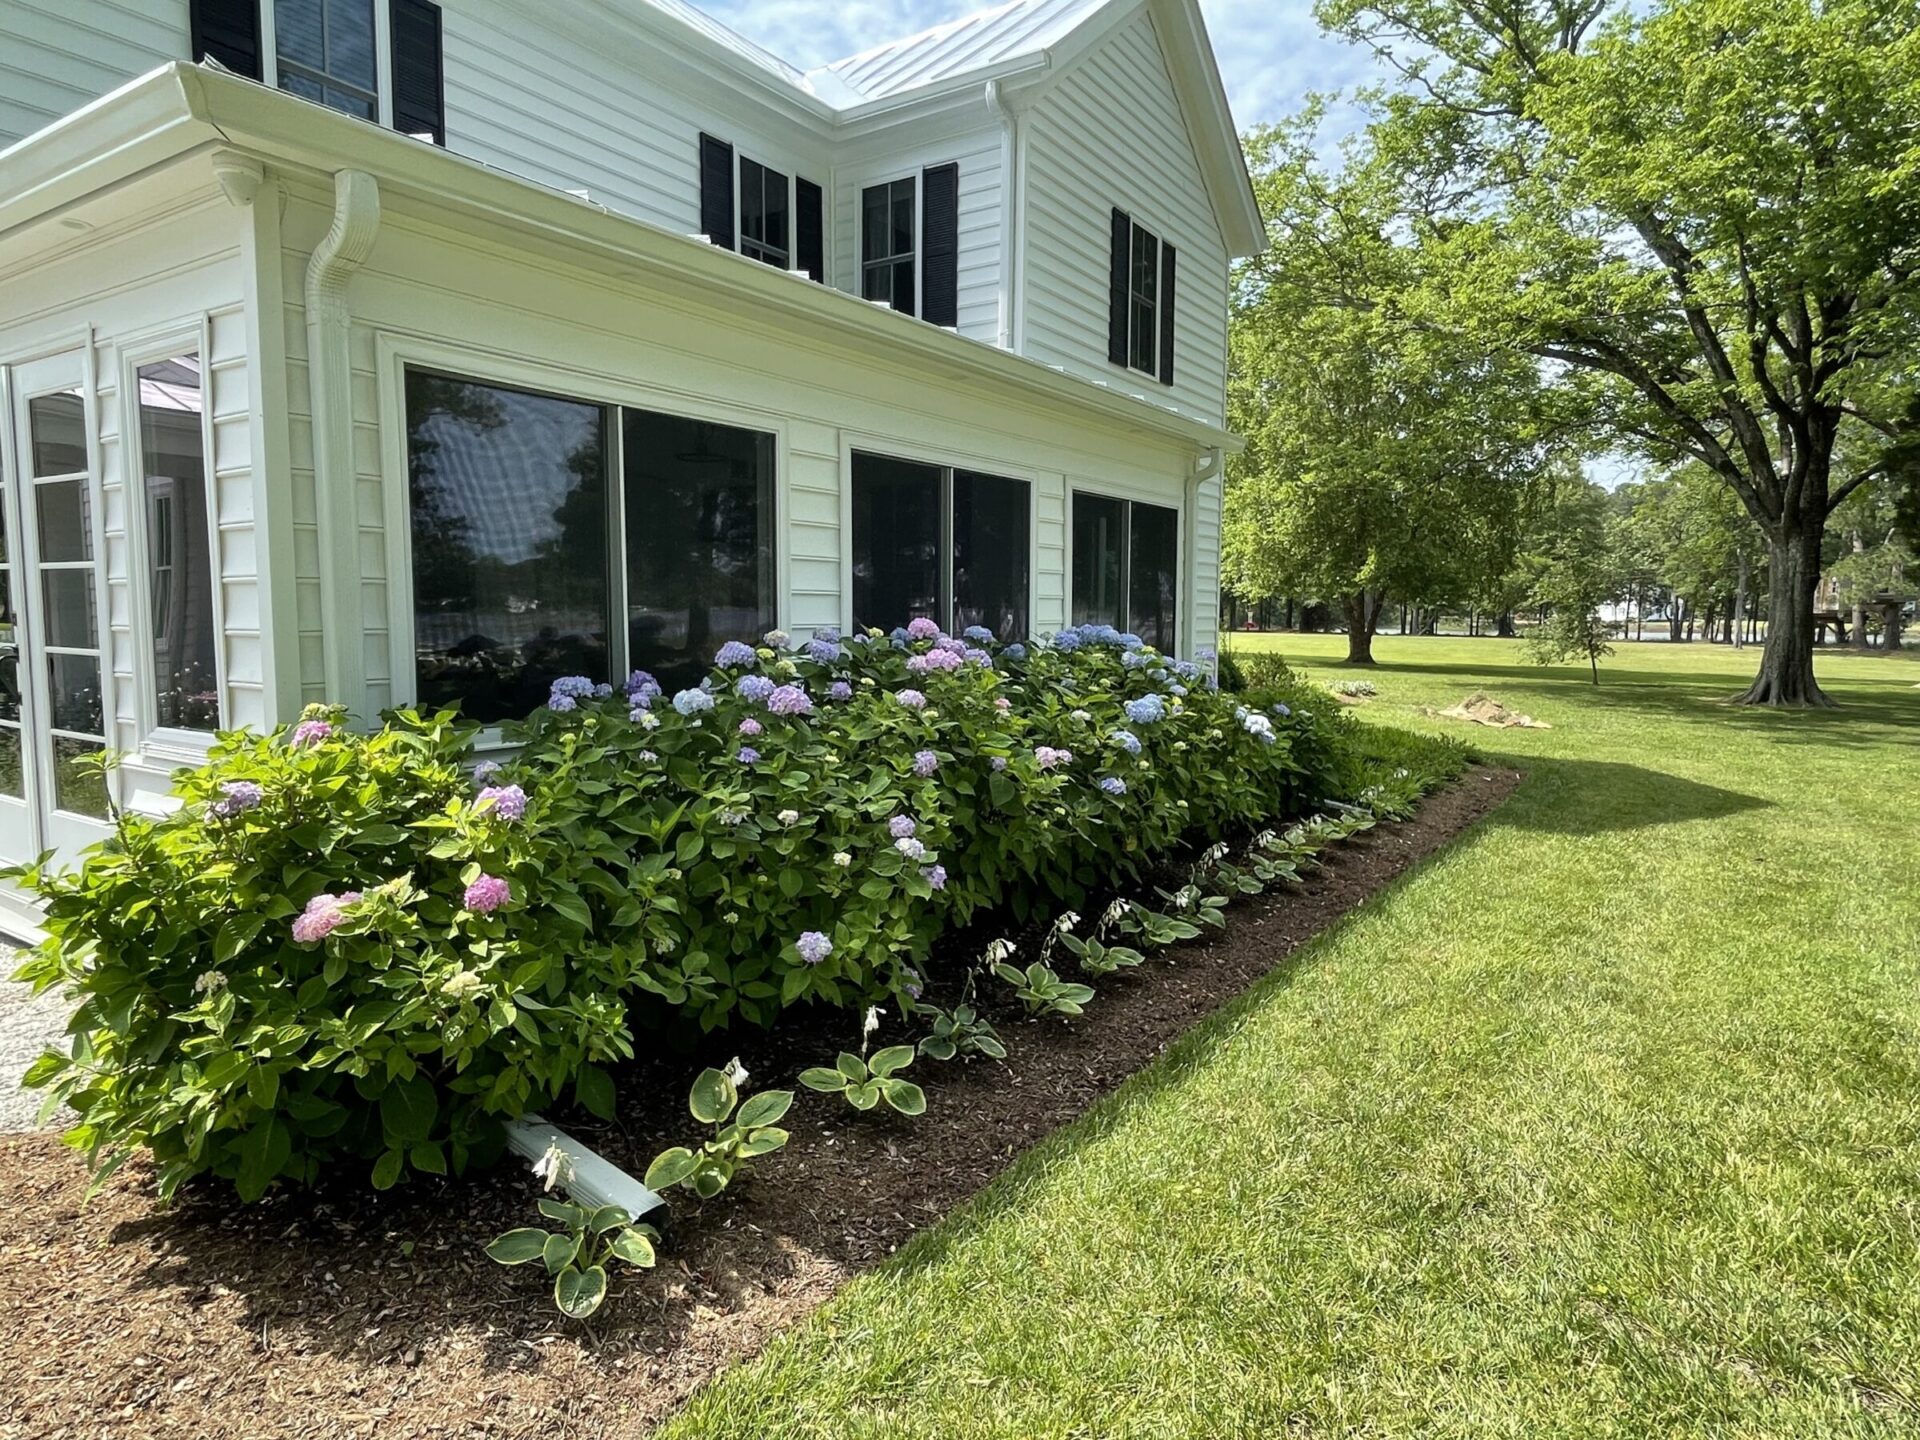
1013, 215
348, 242
1206, 466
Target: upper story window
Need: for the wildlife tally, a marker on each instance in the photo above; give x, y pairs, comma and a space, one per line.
886, 244
327, 51
765, 204
1140, 319
377, 60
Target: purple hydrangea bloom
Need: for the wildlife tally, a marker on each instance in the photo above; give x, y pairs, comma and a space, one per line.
979, 634
1282, 709
236, 798
487, 894
789, 700
824, 652
561, 704
911, 982
1067, 640
733, 654
813, 947
751, 726
910, 847
639, 684
912, 699
934, 660
901, 826
748, 755
936, 876
311, 732
925, 762
827, 632
509, 802
1146, 710
951, 644
1048, 757
1127, 741
999, 762
576, 687
1114, 785
754, 689
840, 690
692, 702
921, 628
484, 772
322, 916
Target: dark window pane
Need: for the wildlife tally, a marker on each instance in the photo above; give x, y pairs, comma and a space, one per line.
1154, 575
12, 776
886, 244
896, 541
66, 520
1144, 345
74, 691
990, 553
509, 523
299, 32
59, 426
1143, 350
294, 83
179, 545
79, 788
71, 619
874, 237
903, 217
350, 42
700, 541
326, 53
1098, 552
763, 213
348, 102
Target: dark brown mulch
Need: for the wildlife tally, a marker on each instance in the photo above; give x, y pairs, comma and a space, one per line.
348, 1313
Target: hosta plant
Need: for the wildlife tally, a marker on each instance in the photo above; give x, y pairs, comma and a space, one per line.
1156, 931
742, 1131
1043, 992
578, 1254
864, 1083
1098, 958
959, 1033
1190, 900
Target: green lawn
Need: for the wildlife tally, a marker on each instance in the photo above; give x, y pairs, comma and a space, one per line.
1607, 1123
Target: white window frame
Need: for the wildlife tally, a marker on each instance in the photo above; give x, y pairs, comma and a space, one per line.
917, 253
166, 743
395, 354
1134, 231
382, 59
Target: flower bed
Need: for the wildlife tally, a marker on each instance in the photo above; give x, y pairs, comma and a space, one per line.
343, 948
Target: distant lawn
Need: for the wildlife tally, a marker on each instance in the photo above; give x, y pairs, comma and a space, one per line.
1605, 1124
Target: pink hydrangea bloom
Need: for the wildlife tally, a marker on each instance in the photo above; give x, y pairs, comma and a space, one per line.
311, 732
922, 628
322, 916
750, 726
487, 894
509, 802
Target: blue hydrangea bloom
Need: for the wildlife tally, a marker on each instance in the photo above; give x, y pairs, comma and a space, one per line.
1067, 641
1114, 785
1127, 741
754, 688
825, 652
1015, 651
1146, 710
979, 634
692, 702
732, 654
813, 947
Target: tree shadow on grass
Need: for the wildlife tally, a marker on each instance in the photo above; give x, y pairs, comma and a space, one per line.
1595, 797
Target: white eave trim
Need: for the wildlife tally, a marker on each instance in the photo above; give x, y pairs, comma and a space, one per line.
180, 109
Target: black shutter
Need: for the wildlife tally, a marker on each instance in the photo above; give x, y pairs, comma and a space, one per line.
1167, 312
1117, 291
940, 245
419, 91
227, 31
716, 191
810, 230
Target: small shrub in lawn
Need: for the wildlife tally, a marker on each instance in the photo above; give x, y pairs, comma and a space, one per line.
578, 1254
738, 1135
959, 1033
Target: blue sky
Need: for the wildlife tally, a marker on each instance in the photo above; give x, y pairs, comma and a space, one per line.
1271, 51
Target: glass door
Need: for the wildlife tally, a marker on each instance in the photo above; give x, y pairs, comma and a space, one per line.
53, 708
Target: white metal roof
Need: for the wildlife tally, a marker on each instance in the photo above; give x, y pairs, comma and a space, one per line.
973, 42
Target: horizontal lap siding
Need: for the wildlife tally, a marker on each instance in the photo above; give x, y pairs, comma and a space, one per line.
1206, 567
1112, 134
58, 55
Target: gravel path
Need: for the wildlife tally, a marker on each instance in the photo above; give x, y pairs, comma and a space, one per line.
28, 1024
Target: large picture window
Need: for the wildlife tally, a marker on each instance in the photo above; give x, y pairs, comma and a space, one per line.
179, 544
520, 562
1126, 567
949, 545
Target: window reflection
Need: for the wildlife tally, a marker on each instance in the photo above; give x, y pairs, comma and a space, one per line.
990, 554
179, 545
896, 541
699, 520
510, 544
1126, 567
1099, 551
1153, 567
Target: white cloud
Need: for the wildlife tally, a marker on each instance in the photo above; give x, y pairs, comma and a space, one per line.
1271, 51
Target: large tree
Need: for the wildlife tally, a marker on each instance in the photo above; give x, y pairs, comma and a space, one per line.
1706, 210
1386, 455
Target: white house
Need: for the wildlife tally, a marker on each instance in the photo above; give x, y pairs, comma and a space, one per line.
383, 351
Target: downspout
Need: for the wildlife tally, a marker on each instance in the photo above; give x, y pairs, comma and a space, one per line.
1206, 466
1013, 215
348, 242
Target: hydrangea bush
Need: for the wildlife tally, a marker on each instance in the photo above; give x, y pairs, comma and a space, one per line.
351, 947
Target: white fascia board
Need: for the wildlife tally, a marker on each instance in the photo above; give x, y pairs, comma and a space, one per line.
186, 108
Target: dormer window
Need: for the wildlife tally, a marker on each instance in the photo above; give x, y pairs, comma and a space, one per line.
764, 207
328, 52
886, 245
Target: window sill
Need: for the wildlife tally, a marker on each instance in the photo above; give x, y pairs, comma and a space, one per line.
169, 748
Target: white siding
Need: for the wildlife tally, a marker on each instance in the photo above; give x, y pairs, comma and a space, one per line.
57, 55
1112, 134
1204, 632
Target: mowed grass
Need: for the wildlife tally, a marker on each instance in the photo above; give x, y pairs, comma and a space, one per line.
1604, 1123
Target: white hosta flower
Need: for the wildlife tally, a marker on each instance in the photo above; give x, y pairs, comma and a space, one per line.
1214, 855
1068, 919
737, 1073
999, 952
872, 1021
555, 1167
1115, 913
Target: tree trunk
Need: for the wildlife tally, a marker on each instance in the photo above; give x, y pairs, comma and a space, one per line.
1363, 615
1737, 631
1674, 608
1786, 663
1503, 627
1890, 625
1859, 604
